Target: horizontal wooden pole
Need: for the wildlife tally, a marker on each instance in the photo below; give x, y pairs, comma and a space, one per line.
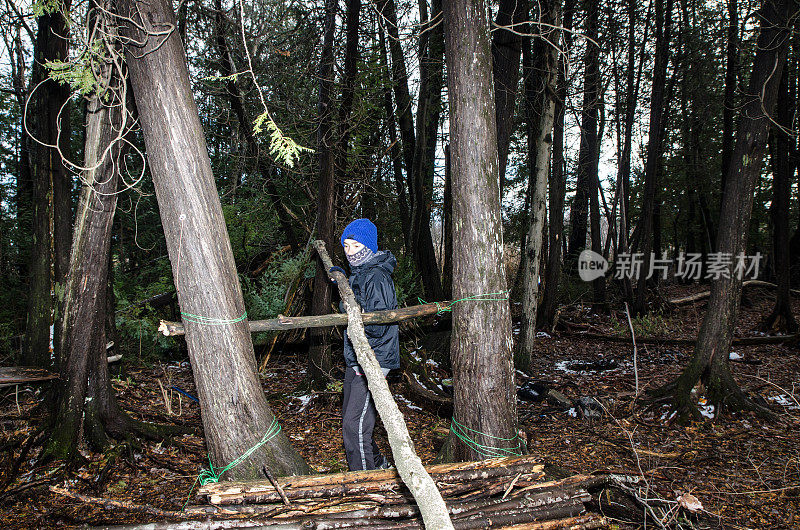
390, 316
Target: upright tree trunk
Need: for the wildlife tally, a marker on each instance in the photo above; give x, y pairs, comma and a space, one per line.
47, 125
352, 17
710, 361
484, 400
422, 173
320, 361
447, 226
235, 413
418, 151
394, 151
506, 50
558, 181
729, 103
590, 147
654, 148
540, 65
83, 334
781, 318
588, 151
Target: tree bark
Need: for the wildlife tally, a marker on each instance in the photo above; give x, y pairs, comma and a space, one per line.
558, 182
654, 148
710, 361
47, 124
409, 465
320, 357
234, 411
540, 63
483, 374
506, 50
781, 318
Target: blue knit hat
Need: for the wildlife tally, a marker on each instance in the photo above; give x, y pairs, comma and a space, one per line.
363, 231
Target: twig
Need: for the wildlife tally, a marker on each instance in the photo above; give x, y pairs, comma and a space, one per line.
276, 485
511, 486
635, 351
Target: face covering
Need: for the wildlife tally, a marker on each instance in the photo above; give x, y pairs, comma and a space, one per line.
360, 257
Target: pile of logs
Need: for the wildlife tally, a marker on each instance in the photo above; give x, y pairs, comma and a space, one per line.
497, 493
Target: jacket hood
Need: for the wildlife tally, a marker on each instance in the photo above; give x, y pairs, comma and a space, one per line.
382, 259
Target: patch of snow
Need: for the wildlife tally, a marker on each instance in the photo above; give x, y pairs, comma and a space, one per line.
572, 412
735, 356
406, 402
786, 401
304, 400
706, 409
432, 363
543, 335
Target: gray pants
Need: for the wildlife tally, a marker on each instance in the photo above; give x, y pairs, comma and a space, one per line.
358, 422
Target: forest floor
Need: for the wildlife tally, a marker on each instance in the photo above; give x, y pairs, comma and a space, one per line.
744, 470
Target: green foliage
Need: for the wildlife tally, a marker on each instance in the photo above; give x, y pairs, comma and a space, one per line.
265, 296
281, 147
407, 284
650, 325
46, 7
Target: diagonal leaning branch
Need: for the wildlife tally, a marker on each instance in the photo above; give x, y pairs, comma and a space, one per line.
409, 466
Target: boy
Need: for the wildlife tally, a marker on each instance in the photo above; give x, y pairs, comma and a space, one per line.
373, 287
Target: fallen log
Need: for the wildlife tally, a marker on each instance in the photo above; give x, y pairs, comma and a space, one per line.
172, 329
16, 375
389, 480
705, 294
737, 341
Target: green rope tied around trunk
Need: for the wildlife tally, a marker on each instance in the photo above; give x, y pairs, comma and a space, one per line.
487, 297
210, 475
208, 321
462, 432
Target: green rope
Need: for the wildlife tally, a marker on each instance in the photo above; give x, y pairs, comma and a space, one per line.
462, 433
210, 475
208, 321
479, 297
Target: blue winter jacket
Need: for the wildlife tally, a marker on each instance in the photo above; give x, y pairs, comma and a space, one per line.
373, 288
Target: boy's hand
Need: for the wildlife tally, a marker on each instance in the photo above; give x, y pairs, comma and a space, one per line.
336, 269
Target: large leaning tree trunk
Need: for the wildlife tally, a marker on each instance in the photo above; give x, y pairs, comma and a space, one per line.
781, 318
48, 125
558, 182
484, 399
235, 413
709, 363
320, 360
540, 62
